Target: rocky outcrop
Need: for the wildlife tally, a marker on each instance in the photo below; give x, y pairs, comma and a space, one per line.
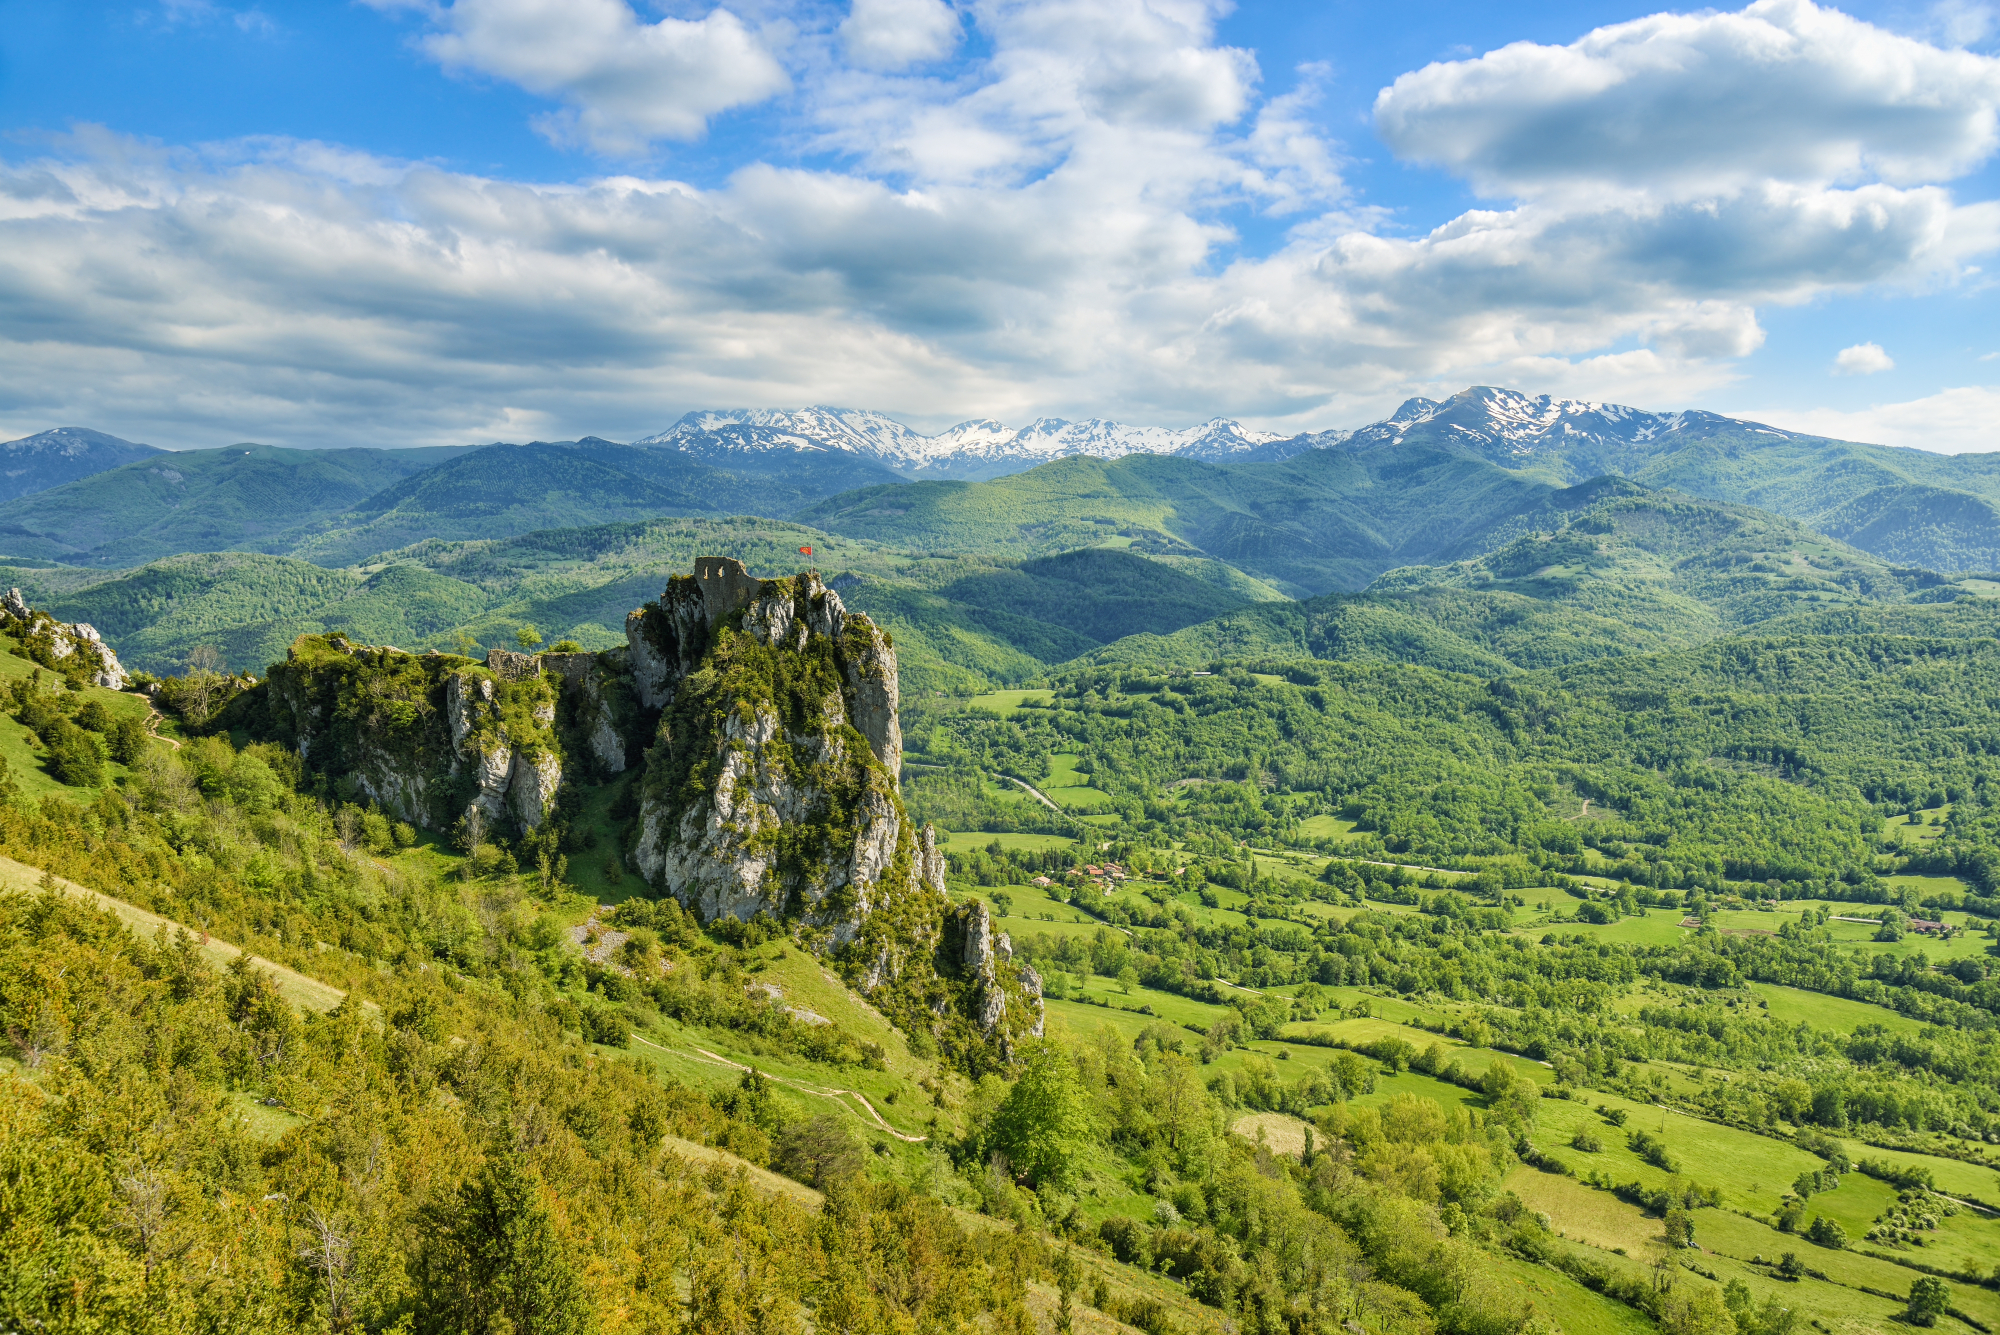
771, 789
430, 738
763, 796
73, 649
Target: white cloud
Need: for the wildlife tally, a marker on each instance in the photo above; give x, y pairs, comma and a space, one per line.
1862, 359
1044, 230
1954, 421
895, 34
1962, 22
1702, 102
625, 82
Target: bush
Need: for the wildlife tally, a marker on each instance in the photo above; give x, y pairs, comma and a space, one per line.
1827, 1233
601, 1024
818, 1152
1586, 1140
126, 739
1130, 1241
1929, 1300
74, 755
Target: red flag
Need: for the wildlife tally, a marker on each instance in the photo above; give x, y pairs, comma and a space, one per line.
805, 551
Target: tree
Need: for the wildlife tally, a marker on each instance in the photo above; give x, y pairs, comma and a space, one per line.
1044, 1121
1827, 1233
202, 686
527, 637
1128, 978
1790, 1267
74, 757
1930, 1299
492, 1260
818, 1151
1680, 1228
126, 739
1695, 1309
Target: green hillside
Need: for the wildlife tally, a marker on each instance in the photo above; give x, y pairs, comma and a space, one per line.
250, 497
1636, 572
503, 490
1324, 520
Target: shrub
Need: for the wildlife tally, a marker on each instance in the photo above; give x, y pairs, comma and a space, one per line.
74, 755
1586, 1140
1827, 1233
1130, 1241
126, 739
1929, 1300
818, 1151
601, 1024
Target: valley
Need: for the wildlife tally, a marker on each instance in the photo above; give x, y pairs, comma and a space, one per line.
1517, 867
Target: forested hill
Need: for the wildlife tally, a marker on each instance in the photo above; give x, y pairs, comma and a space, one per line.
1635, 571
1745, 760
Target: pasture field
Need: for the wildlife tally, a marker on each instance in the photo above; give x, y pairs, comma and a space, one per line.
1928, 885
1569, 1304
1004, 702
1067, 787
962, 840
1752, 1172
1655, 927
1954, 1177
1326, 827
1839, 1300
1588, 1215
1855, 1205
1840, 1014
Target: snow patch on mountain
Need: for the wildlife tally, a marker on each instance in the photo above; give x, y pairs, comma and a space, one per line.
979, 446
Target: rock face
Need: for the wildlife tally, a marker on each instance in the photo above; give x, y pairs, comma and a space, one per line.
771, 788
766, 716
763, 795
430, 738
73, 649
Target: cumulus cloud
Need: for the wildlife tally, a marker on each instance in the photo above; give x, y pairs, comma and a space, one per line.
1781, 91
1862, 359
1952, 421
1046, 230
895, 34
625, 82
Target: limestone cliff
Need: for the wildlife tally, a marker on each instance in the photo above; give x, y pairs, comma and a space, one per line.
771, 788
428, 737
73, 649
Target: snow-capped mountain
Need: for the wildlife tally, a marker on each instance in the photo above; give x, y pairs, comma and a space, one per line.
1575, 437
1568, 438
976, 449
858, 431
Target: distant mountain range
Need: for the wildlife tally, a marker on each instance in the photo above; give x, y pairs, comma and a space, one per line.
971, 450
1311, 513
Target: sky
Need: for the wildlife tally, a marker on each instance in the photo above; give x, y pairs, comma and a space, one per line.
401, 222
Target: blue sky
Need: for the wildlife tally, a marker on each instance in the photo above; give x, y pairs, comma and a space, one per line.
401, 222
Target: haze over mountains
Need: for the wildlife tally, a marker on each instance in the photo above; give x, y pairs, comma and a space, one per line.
996, 553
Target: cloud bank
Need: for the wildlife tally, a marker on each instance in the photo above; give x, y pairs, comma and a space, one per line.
1045, 230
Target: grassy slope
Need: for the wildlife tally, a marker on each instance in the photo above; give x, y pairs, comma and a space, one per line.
24, 752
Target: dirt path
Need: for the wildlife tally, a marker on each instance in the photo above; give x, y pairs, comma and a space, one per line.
154, 718
703, 1054
310, 993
